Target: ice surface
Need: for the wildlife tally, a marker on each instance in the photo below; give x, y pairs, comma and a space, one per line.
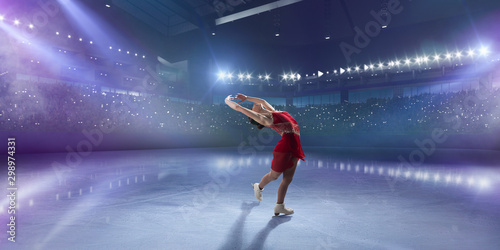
201, 199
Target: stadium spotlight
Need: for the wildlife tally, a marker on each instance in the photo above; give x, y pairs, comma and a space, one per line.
229, 75
407, 61
2, 17
80, 39
110, 47
357, 68
348, 69
380, 65
31, 26
425, 58
143, 56
436, 57
57, 33
285, 77
260, 77
16, 22
240, 76
458, 54
471, 52
448, 56
396, 62
222, 75
69, 36
119, 50
91, 42
371, 66
484, 51
248, 76
108, 6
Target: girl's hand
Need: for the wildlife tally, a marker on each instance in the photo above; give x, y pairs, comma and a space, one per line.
229, 101
229, 98
242, 97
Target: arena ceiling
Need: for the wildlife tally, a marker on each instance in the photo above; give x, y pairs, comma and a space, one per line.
300, 21
184, 24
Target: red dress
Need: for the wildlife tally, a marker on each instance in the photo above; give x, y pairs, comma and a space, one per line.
289, 146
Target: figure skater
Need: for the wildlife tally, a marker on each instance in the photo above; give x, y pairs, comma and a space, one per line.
287, 152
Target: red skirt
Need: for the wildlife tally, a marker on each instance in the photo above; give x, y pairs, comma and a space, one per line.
283, 161
287, 152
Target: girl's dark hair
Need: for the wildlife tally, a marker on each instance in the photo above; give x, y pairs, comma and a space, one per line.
253, 122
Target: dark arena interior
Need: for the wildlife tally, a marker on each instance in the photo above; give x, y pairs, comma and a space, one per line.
120, 131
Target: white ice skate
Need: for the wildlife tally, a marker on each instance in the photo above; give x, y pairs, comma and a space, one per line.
281, 209
257, 191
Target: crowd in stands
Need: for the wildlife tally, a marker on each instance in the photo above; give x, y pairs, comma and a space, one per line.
60, 107
463, 112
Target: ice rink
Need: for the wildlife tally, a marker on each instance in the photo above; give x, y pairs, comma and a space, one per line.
202, 199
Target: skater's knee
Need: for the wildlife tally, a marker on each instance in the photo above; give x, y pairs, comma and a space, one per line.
274, 175
287, 180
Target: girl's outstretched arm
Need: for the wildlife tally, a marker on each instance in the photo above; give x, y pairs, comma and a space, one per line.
260, 118
264, 103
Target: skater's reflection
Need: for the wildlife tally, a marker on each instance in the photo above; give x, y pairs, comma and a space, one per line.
235, 236
260, 238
